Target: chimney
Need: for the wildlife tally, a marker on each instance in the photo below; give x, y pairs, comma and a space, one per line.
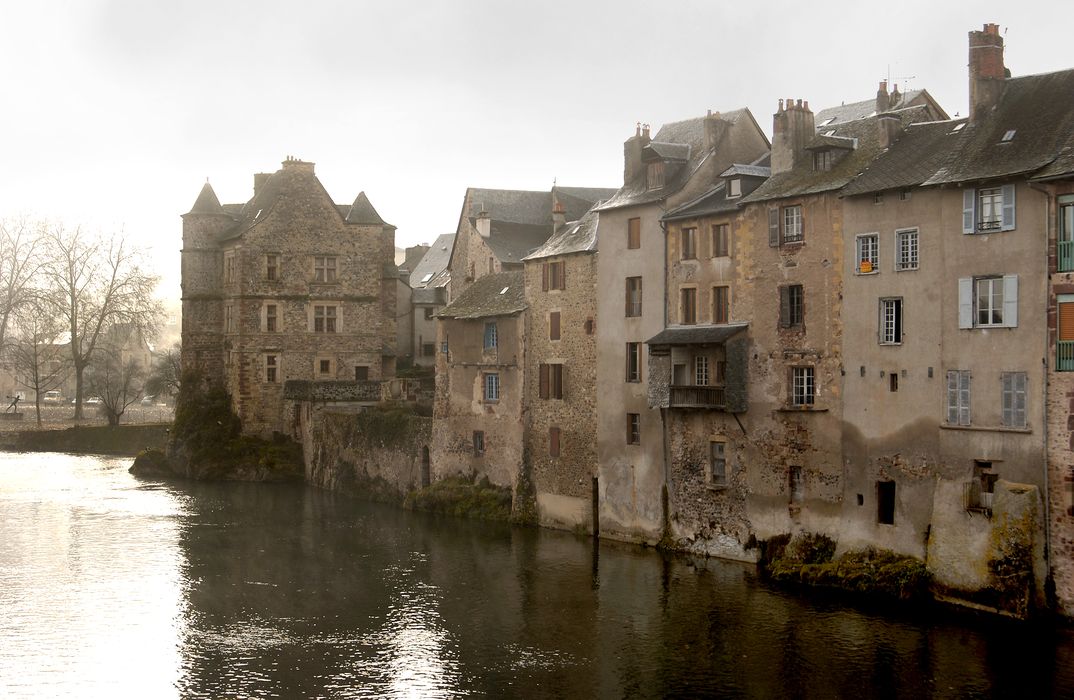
292, 163
792, 129
259, 181
883, 100
896, 96
484, 223
715, 128
559, 216
987, 73
889, 129
632, 153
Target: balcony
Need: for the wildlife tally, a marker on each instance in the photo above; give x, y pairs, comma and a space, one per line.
1064, 356
1065, 250
698, 397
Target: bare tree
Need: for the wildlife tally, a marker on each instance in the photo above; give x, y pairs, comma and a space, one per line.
21, 246
117, 382
39, 362
165, 375
96, 283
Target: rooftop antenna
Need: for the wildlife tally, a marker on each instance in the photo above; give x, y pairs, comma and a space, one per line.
904, 79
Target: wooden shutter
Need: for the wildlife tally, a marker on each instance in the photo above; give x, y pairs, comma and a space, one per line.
558, 381
553, 325
773, 227
1010, 301
952, 397
544, 277
1066, 320
563, 274
1007, 398
1019, 389
784, 307
969, 211
965, 302
553, 442
964, 397
543, 382
1007, 222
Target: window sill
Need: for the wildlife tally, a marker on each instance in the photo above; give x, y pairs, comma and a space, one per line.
906, 269
802, 409
987, 428
866, 274
716, 487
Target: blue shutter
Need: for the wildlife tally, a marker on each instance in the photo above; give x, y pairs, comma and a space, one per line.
964, 397
1010, 301
1007, 223
773, 227
969, 213
965, 302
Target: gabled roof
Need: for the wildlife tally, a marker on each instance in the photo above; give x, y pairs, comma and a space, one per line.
498, 294
803, 180
434, 261
573, 237
748, 170
510, 242
834, 116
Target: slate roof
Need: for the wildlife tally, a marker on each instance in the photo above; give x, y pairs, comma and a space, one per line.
669, 151
483, 298
362, 212
689, 137
1038, 108
803, 180
434, 261
696, 335
862, 110
511, 242
207, 202
573, 237
751, 170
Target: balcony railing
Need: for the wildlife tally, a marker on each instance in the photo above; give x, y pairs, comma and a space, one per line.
698, 396
1064, 355
1066, 256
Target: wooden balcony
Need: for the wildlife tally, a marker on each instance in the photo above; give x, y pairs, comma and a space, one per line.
1065, 250
1064, 355
690, 396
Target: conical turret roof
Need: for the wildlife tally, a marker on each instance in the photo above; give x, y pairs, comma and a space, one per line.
207, 202
362, 212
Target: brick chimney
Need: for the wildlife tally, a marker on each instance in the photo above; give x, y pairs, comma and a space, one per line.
883, 100
889, 129
484, 223
559, 216
893, 102
292, 163
259, 181
792, 129
715, 128
632, 153
987, 72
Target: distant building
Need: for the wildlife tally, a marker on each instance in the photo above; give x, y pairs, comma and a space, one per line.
429, 280
286, 286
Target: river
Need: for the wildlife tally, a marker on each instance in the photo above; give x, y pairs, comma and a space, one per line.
113, 587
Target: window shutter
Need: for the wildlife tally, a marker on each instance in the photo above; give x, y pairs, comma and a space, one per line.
773, 227
784, 307
964, 397
544, 277
562, 382
952, 398
626, 307
553, 325
969, 213
1066, 320
1010, 301
1019, 412
563, 275
553, 442
543, 384
1007, 223
1007, 394
965, 302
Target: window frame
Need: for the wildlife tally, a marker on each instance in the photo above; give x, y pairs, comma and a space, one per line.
791, 217
633, 362
913, 250
325, 269
958, 397
323, 322
490, 337
716, 475
890, 333
550, 380
688, 243
633, 297
1001, 198
864, 243
555, 325
555, 441
272, 267
803, 386
634, 233
490, 387
721, 304
553, 275
994, 310
1014, 391
688, 303
720, 240
272, 365
701, 370
633, 428
478, 441
272, 324
792, 306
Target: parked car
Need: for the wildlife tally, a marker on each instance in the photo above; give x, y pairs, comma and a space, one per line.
52, 398
93, 400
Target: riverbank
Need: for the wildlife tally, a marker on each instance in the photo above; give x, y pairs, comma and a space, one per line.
120, 440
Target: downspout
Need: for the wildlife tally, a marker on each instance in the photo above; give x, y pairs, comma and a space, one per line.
1044, 362
666, 451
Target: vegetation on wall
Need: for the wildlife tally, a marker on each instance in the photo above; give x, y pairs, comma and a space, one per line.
464, 498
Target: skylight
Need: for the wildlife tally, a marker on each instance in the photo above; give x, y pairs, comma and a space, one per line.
504, 290
1009, 136
958, 127
426, 278
827, 121
830, 133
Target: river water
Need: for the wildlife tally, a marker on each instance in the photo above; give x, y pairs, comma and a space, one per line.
114, 587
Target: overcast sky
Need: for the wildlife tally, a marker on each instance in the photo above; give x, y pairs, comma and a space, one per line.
116, 111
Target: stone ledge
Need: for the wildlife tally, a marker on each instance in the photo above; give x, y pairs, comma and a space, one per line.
987, 428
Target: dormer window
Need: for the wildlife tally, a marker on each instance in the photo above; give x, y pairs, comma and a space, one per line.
822, 160
655, 175
734, 188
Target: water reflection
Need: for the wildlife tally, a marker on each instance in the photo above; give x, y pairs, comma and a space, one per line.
111, 588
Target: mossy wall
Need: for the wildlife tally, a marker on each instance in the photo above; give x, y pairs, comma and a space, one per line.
127, 440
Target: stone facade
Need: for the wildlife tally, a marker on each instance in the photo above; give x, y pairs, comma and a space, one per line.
287, 286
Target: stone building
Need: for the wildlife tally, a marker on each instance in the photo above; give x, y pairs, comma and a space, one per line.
480, 377
684, 160
429, 282
561, 366
287, 286
498, 228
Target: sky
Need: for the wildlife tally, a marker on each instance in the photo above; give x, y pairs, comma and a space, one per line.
115, 112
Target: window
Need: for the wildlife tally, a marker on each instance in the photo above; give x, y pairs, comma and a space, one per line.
1064, 348
791, 306
324, 367
553, 325
633, 362
550, 381
988, 209
490, 336
868, 258
479, 443
701, 370
721, 234
688, 306
893, 381
229, 267
492, 265
272, 267
361, 374
1013, 399
553, 276
878, 198
229, 318
553, 442
885, 502
792, 224
272, 366
822, 160
891, 321
958, 397
689, 243
633, 234
717, 475
904, 195
906, 249
324, 268
325, 319
633, 296
802, 386
270, 318
988, 302
492, 386
428, 313
633, 428
734, 188
428, 349
1065, 253
721, 304
655, 175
